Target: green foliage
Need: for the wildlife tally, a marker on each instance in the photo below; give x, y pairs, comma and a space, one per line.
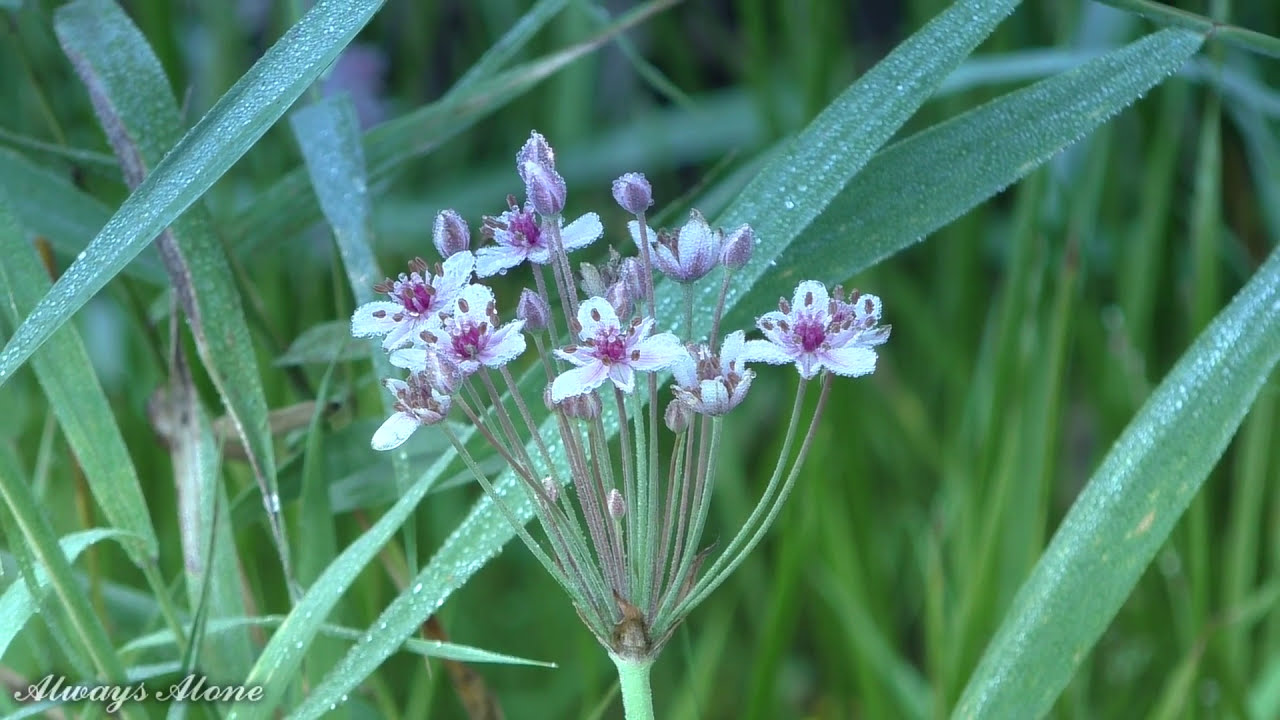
974, 528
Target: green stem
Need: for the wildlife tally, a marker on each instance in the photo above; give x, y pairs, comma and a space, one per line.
633, 678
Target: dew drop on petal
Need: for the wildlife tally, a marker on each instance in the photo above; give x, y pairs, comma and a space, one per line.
417, 588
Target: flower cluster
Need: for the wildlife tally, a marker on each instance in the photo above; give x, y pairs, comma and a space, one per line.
621, 528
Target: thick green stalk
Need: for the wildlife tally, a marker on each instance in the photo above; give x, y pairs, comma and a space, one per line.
633, 678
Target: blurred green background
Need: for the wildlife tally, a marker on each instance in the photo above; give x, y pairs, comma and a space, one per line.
1026, 335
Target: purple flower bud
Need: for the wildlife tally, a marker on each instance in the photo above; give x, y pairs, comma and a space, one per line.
677, 416
617, 505
450, 234
533, 310
536, 164
545, 189
633, 193
583, 407
536, 150
738, 247
631, 274
620, 298
445, 375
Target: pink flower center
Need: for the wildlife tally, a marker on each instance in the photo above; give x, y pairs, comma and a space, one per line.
416, 295
523, 227
810, 333
466, 344
610, 347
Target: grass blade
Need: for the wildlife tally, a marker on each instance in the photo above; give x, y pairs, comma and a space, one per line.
221, 137
52, 207
920, 184
67, 377
25, 523
140, 117
18, 603
1125, 513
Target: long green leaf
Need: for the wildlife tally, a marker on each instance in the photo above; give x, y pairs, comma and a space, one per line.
18, 603
425, 648
52, 207
920, 184
820, 162
70, 384
25, 523
140, 117
221, 137
1125, 513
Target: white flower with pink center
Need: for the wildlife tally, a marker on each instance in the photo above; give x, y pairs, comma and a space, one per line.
468, 337
816, 331
519, 237
415, 299
713, 383
418, 402
609, 351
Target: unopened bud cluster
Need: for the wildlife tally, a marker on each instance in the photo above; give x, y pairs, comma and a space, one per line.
621, 529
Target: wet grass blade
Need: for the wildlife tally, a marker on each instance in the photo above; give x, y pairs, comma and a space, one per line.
221, 137
18, 604
1125, 513
71, 386
140, 117
924, 182
25, 523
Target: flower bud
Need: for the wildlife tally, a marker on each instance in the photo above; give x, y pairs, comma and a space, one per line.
536, 150
631, 273
536, 164
620, 298
450, 233
633, 193
583, 407
444, 374
545, 189
617, 505
533, 310
738, 247
677, 416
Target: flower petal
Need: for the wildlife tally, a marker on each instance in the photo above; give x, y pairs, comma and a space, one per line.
730, 350
581, 232
808, 364
802, 299
505, 344
685, 371
622, 376
580, 356
634, 228
494, 259
394, 431
715, 397
456, 273
410, 358
596, 314
699, 246
578, 381
766, 352
477, 299
849, 361
656, 352
771, 324
403, 333
375, 318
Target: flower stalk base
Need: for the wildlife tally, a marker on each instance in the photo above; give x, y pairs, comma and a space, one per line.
633, 678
